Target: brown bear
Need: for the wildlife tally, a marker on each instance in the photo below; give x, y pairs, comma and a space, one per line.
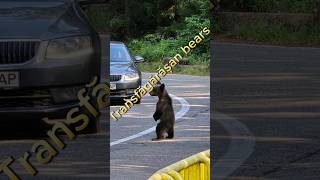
164, 112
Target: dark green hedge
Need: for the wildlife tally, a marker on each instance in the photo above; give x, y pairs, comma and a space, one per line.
288, 6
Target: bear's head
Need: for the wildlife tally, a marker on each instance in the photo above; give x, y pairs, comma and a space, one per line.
158, 90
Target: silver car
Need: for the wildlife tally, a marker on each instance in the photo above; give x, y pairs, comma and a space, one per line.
125, 76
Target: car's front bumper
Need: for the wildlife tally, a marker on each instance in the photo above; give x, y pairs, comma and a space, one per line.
117, 95
36, 113
48, 87
42, 72
124, 90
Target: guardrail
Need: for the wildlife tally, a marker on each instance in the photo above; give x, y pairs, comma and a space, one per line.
196, 167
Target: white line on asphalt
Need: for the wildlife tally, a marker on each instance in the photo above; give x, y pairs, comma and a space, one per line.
184, 109
238, 150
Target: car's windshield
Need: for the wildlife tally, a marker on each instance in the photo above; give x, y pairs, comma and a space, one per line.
119, 53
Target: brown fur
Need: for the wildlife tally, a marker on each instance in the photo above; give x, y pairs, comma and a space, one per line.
164, 112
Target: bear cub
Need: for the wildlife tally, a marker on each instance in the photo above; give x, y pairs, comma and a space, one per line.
164, 113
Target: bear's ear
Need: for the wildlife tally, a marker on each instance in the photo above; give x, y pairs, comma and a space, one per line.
162, 86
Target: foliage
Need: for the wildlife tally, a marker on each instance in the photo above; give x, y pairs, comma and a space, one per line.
192, 26
126, 18
155, 52
156, 29
303, 33
190, 70
290, 6
154, 47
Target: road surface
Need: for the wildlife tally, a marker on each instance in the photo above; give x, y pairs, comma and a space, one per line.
136, 157
83, 158
266, 120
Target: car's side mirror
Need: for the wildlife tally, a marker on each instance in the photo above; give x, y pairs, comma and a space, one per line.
138, 59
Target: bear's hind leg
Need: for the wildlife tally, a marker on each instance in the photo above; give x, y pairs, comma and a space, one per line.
170, 133
160, 129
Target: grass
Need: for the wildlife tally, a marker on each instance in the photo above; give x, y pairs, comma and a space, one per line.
279, 34
198, 70
273, 38
292, 6
274, 31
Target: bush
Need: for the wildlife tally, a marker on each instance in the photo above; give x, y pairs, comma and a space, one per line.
154, 47
154, 51
270, 28
155, 29
193, 25
289, 6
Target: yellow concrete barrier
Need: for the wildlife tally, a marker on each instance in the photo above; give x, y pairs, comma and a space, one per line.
196, 167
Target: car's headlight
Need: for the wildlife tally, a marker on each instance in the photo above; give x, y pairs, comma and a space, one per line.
71, 47
131, 76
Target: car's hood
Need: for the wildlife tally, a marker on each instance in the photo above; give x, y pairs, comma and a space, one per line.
121, 68
38, 20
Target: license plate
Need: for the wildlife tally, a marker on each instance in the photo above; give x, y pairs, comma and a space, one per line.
113, 86
9, 79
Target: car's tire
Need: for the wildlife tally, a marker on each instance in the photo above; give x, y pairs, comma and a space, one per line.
94, 123
93, 127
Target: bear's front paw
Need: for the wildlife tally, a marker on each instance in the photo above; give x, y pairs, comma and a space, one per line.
156, 116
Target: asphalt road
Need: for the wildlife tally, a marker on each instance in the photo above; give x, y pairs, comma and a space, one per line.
83, 158
134, 156
266, 120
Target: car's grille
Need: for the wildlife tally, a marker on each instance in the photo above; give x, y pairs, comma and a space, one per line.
25, 98
118, 92
15, 52
115, 78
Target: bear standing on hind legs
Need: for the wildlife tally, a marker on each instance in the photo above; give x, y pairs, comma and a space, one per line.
164, 112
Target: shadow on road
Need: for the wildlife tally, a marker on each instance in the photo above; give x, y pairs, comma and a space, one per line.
274, 92
28, 129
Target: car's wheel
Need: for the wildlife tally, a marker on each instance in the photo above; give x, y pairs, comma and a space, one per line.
93, 127
94, 123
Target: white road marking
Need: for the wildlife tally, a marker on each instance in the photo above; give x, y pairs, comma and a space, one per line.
239, 149
184, 109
